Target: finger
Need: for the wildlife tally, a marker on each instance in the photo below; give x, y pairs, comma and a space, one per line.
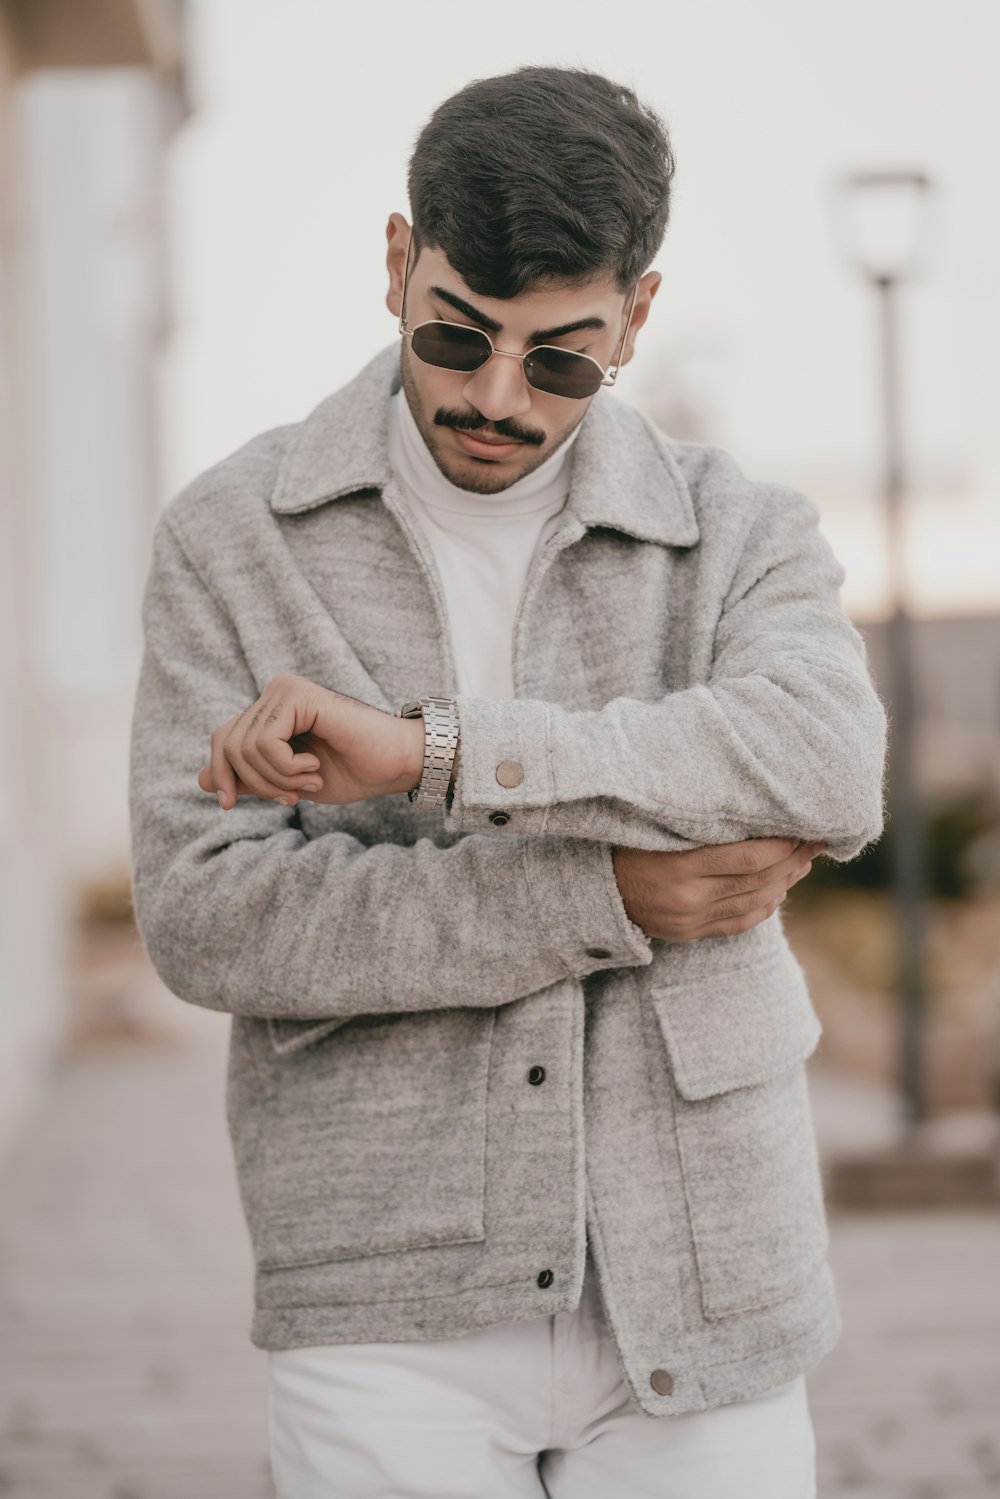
266, 746
300, 743
731, 927
280, 782
275, 758
797, 863
242, 789
747, 857
256, 783
234, 764
753, 900
222, 772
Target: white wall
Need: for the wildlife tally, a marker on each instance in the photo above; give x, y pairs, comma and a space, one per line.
83, 291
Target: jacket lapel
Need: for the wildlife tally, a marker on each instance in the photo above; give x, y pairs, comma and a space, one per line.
369, 587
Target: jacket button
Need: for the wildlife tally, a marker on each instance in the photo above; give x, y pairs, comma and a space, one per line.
598, 952
662, 1382
499, 818
509, 773
536, 1075
545, 1278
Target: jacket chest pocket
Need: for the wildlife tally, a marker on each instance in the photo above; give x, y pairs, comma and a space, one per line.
737, 1043
374, 1137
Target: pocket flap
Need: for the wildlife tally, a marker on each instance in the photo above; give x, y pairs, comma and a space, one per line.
739, 1027
288, 1034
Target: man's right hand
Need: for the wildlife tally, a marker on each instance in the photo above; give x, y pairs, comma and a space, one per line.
715, 891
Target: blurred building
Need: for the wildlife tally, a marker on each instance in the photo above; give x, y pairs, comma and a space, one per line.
90, 94
957, 679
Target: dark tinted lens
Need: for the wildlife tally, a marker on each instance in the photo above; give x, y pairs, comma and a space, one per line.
450, 346
562, 373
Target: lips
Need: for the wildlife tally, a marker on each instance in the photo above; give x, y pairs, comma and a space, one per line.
485, 447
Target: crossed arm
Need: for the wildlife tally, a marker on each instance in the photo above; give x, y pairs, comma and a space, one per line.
780, 749
302, 740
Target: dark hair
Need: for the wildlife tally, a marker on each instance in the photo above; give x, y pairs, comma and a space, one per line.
540, 175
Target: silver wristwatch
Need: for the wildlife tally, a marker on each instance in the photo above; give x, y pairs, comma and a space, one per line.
440, 716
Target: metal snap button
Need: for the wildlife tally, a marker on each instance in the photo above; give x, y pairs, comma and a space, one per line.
536, 1075
545, 1278
662, 1382
509, 773
499, 818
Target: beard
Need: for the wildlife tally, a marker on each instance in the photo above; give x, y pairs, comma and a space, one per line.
480, 475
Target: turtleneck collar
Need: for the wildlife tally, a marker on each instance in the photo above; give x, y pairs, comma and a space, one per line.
413, 462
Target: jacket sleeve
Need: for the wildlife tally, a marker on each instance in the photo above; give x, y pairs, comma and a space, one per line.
240, 911
786, 737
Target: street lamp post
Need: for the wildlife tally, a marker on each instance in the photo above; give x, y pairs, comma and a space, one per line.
883, 211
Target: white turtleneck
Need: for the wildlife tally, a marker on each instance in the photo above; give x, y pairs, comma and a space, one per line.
483, 545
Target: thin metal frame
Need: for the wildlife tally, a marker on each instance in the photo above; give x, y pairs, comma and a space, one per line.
606, 378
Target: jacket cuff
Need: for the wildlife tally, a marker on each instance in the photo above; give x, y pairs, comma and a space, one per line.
509, 736
575, 894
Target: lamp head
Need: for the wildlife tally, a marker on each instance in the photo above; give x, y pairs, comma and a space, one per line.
882, 221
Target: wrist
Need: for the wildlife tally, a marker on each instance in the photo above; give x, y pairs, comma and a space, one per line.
413, 754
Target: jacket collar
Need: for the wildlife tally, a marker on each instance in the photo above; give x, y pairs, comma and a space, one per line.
624, 474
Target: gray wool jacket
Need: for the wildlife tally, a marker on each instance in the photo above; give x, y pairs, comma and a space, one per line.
685, 675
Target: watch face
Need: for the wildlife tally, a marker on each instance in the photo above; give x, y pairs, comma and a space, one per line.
412, 709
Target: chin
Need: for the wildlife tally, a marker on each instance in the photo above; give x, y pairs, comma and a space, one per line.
480, 476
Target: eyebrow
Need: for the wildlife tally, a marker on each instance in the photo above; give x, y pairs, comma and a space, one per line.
492, 326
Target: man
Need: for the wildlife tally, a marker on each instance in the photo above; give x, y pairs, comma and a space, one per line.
516, 1087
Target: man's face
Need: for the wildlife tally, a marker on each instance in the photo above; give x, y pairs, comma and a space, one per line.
487, 429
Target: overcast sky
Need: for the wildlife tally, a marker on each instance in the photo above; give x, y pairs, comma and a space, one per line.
305, 112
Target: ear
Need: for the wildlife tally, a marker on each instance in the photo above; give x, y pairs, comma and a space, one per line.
397, 232
649, 285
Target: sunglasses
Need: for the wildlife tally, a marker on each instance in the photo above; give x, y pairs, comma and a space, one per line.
557, 372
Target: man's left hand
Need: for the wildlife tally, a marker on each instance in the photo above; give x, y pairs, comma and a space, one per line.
302, 740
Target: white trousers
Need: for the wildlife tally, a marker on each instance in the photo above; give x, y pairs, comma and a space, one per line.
534, 1407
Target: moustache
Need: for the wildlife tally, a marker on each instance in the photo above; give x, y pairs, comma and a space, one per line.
472, 421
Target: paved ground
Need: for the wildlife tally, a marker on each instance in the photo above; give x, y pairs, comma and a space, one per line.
126, 1371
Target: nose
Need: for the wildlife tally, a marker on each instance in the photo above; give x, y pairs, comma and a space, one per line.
498, 389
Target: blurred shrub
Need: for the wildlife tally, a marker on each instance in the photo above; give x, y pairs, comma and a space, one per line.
106, 898
956, 829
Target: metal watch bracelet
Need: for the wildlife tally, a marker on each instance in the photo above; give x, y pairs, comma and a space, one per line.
441, 729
